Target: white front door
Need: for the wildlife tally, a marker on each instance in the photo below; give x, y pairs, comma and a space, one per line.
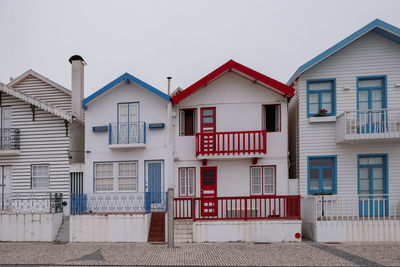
5, 184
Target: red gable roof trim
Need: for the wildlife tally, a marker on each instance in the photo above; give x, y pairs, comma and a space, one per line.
283, 88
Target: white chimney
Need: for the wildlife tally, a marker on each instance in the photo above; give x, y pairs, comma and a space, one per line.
77, 85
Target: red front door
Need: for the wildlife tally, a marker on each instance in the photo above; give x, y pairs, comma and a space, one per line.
208, 126
208, 190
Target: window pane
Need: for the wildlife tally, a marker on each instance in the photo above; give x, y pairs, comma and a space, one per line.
208, 120
363, 106
314, 184
377, 173
377, 95
256, 180
362, 95
377, 105
327, 173
364, 173
40, 176
327, 106
327, 184
269, 180
208, 112
191, 181
364, 184
321, 162
378, 184
326, 97
313, 98
182, 183
314, 174
313, 108
370, 82
126, 180
320, 85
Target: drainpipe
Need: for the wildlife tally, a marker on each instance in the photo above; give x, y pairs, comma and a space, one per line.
170, 173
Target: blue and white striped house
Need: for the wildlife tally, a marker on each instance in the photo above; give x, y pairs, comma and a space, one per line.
344, 123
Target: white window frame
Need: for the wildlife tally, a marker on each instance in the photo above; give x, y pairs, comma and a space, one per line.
45, 176
184, 181
277, 117
133, 176
115, 176
263, 184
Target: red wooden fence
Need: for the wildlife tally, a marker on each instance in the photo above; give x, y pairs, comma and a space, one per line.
231, 143
239, 208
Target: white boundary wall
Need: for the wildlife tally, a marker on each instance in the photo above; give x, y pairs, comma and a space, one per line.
358, 230
110, 228
30, 227
248, 231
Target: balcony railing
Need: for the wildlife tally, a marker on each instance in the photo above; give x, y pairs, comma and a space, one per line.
9, 139
368, 125
127, 133
238, 208
118, 202
231, 143
355, 208
31, 203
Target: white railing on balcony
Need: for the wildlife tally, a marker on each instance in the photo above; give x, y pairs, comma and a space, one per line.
127, 133
357, 207
368, 125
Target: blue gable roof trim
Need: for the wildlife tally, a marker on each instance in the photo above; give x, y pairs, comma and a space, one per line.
378, 26
128, 78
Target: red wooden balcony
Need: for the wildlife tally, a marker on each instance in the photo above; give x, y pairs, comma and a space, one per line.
242, 143
238, 208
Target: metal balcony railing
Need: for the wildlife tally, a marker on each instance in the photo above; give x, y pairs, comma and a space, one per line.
127, 133
9, 139
118, 202
31, 203
368, 124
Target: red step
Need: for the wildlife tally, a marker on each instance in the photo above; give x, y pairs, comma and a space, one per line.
157, 227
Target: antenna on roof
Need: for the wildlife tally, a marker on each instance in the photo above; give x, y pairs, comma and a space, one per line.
11, 79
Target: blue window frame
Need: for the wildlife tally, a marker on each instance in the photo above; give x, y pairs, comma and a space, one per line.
371, 93
321, 174
321, 94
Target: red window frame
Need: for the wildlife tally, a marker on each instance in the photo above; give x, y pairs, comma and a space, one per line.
195, 119
186, 178
280, 117
262, 180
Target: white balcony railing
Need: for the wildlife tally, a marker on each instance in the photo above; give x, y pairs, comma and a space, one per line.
368, 125
356, 207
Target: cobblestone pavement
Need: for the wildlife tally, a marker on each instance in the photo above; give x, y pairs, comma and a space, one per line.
227, 254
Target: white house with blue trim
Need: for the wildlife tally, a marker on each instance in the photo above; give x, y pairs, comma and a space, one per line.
344, 137
128, 164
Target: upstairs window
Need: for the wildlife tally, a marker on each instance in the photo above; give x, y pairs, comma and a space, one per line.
187, 122
271, 116
321, 97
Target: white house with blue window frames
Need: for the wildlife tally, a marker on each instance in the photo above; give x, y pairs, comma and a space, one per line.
344, 137
128, 164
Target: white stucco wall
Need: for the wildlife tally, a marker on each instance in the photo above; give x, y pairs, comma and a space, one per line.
103, 110
29, 227
248, 231
110, 228
238, 102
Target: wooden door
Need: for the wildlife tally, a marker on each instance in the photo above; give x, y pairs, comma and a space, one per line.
208, 128
208, 191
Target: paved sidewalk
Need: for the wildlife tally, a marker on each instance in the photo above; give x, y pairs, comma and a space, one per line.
227, 254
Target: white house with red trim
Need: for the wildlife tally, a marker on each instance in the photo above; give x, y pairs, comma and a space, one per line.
345, 137
230, 134
128, 164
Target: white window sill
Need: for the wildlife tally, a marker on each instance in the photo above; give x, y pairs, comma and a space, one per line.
322, 119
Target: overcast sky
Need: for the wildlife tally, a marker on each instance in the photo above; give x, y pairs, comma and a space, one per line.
183, 39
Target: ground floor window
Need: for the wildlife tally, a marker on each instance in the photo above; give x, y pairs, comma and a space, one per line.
115, 176
262, 180
40, 174
322, 174
187, 182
